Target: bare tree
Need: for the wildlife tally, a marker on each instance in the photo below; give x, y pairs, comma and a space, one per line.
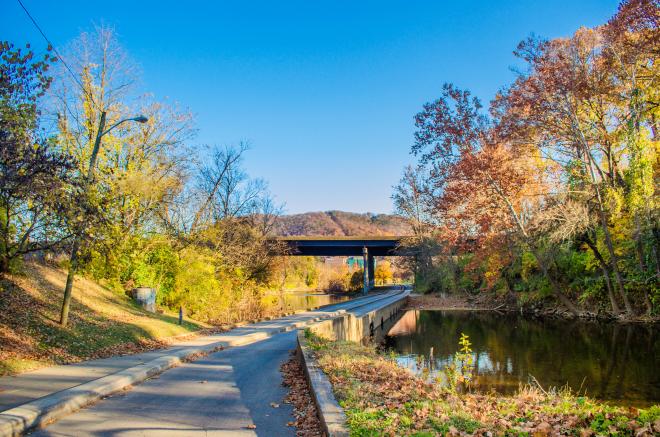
413, 197
230, 191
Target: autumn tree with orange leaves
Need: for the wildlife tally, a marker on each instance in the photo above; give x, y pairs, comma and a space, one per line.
562, 169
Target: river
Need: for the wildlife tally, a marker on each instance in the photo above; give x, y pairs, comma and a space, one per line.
607, 361
288, 301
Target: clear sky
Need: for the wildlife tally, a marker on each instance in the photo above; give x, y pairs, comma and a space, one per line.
324, 91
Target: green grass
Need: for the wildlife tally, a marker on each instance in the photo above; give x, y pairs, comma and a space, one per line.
102, 322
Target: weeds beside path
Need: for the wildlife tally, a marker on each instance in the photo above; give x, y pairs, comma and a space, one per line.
103, 323
380, 398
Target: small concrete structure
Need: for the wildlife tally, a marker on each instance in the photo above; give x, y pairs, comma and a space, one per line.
145, 297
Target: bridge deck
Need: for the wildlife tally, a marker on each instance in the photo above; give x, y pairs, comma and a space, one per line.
342, 246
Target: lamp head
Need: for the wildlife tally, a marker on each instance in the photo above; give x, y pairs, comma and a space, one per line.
141, 119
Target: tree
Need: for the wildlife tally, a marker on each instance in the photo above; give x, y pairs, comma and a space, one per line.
34, 174
383, 274
138, 168
236, 213
413, 199
485, 192
564, 166
585, 103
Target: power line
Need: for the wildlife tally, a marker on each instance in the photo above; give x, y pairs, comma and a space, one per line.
51, 45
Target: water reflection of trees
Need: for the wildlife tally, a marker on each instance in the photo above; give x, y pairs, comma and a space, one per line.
608, 361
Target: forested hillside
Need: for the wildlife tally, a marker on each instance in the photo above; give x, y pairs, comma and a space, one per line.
339, 223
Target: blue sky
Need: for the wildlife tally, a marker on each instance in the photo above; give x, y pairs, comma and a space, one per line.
324, 91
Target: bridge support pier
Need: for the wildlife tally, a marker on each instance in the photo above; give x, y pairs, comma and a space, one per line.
371, 267
365, 264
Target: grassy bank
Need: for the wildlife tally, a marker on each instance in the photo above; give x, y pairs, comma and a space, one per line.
381, 398
102, 322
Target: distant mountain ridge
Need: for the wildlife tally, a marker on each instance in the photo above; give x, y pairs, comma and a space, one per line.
340, 223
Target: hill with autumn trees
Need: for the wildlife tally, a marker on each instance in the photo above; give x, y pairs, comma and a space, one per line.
340, 223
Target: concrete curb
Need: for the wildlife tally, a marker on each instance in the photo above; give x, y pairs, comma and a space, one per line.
333, 419
49, 408
17, 420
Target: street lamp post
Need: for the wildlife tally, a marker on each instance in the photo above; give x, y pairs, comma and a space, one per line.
73, 260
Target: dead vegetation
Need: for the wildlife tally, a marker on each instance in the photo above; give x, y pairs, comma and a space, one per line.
381, 398
306, 420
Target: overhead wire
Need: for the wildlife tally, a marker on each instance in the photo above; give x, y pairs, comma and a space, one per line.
57, 53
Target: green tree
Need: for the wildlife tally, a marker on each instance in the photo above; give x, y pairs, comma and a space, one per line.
34, 174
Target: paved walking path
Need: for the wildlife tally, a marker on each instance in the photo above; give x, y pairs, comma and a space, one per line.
223, 393
240, 385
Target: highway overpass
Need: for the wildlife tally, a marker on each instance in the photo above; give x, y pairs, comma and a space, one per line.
366, 246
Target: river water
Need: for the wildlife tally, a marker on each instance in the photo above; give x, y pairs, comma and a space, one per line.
300, 300
608, 361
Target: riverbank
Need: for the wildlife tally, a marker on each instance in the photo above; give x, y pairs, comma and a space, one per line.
489, 302
453, 302
381, 398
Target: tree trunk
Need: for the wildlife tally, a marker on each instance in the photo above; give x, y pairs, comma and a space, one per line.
4, 265
613, 258
556, 290
66, 303
601, 214
639, 248
606, 274
656, 252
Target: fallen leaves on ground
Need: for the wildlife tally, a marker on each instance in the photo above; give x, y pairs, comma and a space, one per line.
102, 323
201, 354
304, 410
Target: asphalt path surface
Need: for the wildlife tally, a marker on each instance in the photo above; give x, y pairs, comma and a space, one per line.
230, 392
222, 394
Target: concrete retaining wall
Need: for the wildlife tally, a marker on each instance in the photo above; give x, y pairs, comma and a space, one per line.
358, 327
361, 327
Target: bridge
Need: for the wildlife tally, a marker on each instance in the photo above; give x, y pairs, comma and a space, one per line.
367, 246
